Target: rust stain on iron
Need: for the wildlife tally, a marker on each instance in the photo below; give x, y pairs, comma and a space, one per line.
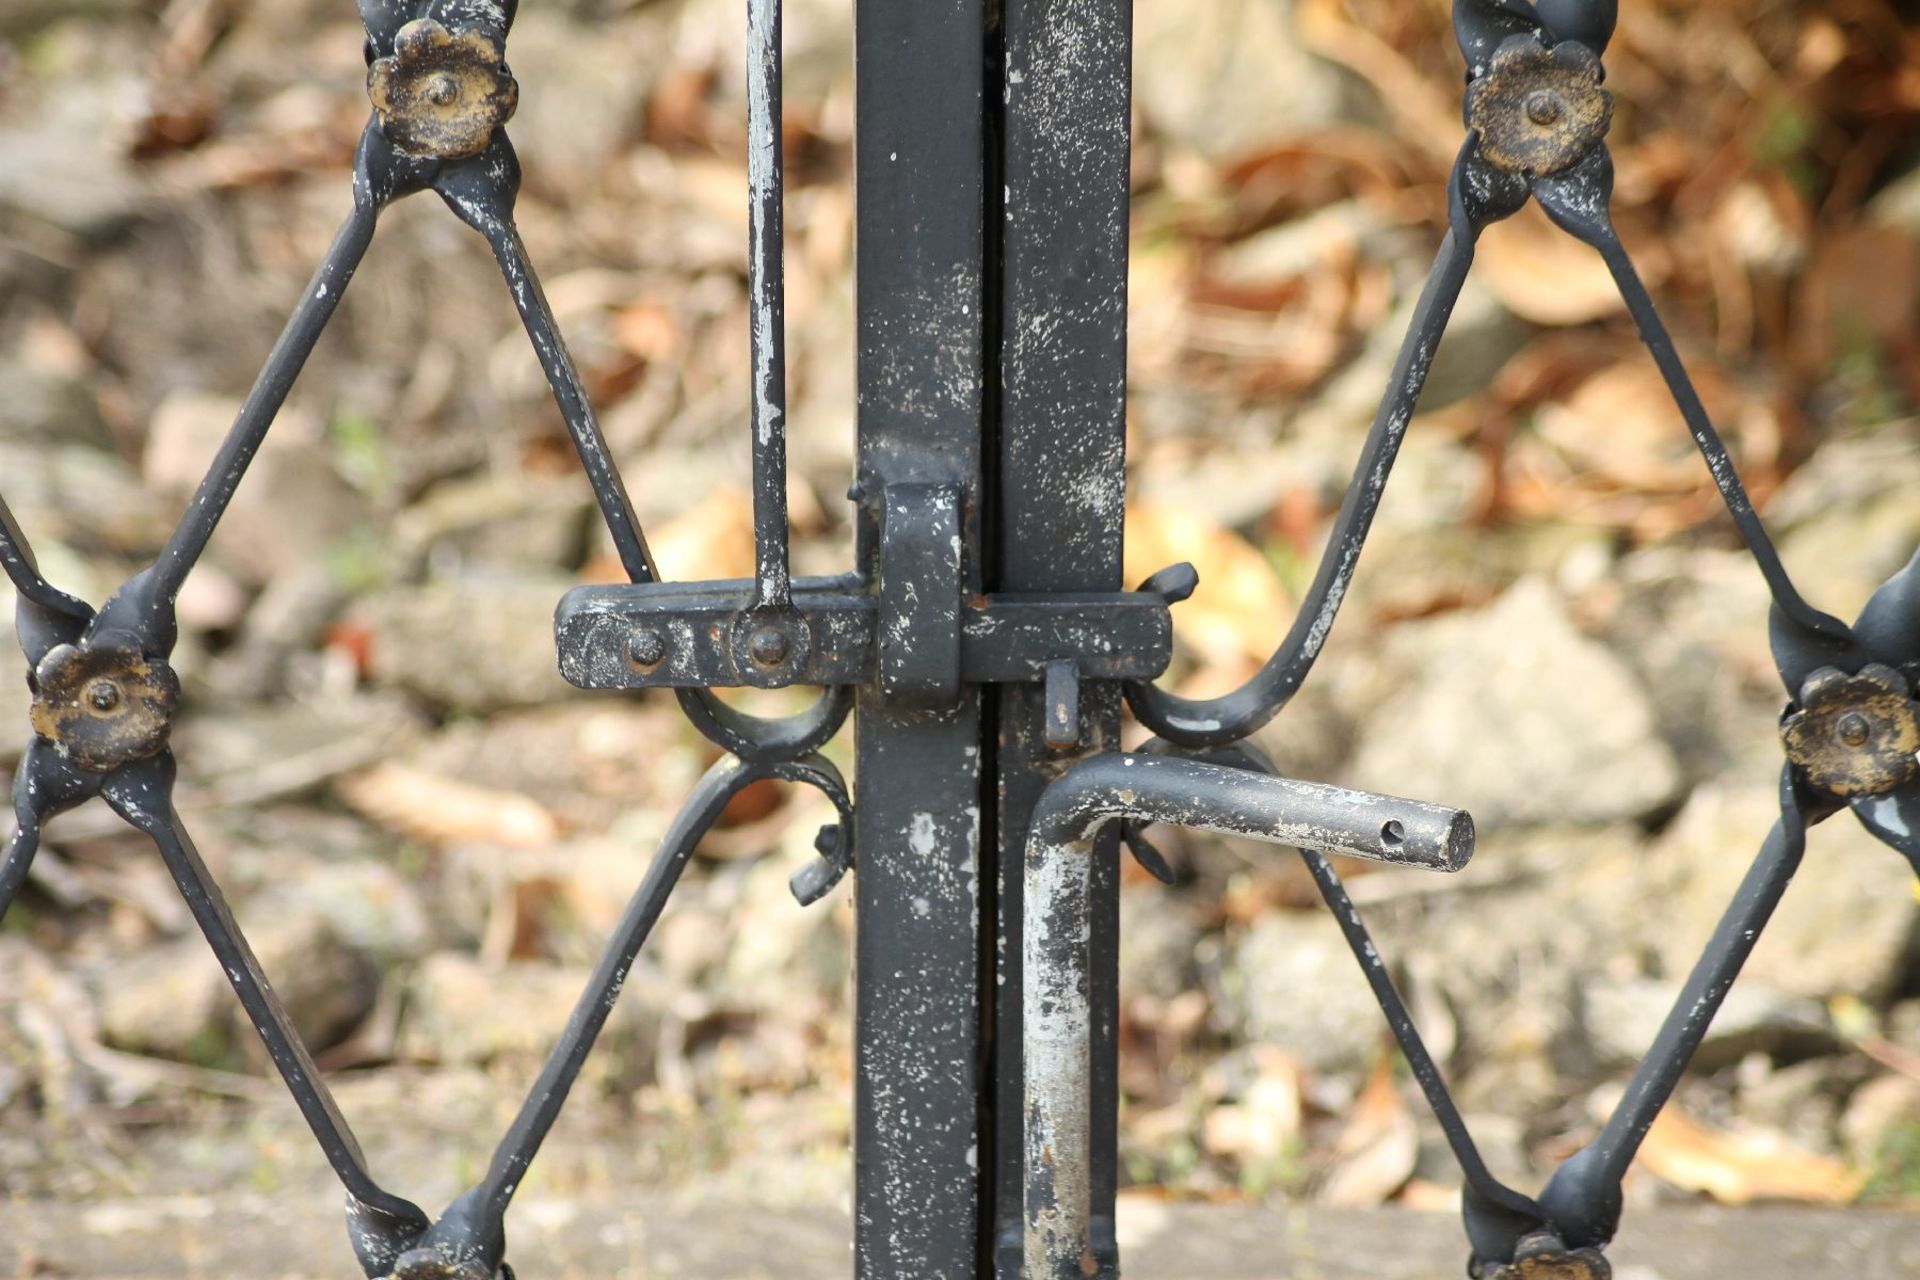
442, 93
1541, 1256
105, 707
1538, 110
1854, 735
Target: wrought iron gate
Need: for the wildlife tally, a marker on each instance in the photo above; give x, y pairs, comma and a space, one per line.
983, 643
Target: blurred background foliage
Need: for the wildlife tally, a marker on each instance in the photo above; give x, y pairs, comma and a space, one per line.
426, 833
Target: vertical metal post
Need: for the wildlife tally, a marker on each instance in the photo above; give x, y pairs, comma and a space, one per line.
1059, 498
919, 83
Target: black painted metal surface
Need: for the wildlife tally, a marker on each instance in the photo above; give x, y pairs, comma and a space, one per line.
982, 635
921, 389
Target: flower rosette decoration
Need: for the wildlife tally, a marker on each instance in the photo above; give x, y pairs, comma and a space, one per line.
1541, 1256
1538, 109
441, 93
1537, 115
104, 706
1852, 731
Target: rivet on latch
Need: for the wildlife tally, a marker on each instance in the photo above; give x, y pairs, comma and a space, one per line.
646, 649
768, 646
1062, 695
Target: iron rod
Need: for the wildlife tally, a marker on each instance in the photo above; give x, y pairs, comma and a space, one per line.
1726, 477
767, 293
1583, 1199
17, 559
257, 414
143, 796
725, 780
1413, 1047
1057, 936
1217, 721
589, 442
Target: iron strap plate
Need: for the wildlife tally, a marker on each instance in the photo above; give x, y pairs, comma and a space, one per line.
685, 630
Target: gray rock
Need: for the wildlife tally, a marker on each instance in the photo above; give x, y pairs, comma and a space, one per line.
1291, 981
292, 507
1507, 940
1903, 1026
367, 905
83, 497
473, 644
783, 958
288, 618
327, 985
169, 1001
1846, 520
462, 1010
1803, 1101
497, 521
63, 164
1515, 715
1693, 624
1159, 942
1481, 336
563, 63
1225, 77
1845, 927
1897, 205
1622, 1018
173, 1001
43, 408
14, 697
1881, 1116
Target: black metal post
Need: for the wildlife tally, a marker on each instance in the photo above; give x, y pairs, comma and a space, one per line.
1059, 498
920, 90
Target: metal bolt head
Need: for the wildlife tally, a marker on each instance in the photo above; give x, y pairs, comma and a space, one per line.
104, 707
1853, 729
442, 93
1854, 735
1538, 110
768, 646
647, 648
1543, 107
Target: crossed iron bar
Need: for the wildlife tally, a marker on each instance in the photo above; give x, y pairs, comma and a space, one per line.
1537, 116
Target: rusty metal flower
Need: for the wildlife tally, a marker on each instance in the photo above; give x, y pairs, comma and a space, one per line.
442, 93
104, 707
1854, 726
1541, 1256
1538, 110
1855, 735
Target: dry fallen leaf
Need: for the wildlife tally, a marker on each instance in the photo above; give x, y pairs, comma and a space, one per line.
1240, 610
1423, 112
713, 539
1742, 1167
1542, 274
439, 810
1265, 1123
1376, 1152
1622, 423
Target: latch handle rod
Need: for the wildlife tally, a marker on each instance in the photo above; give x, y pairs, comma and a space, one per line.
1057, 934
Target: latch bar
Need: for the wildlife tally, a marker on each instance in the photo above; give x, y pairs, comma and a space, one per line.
678, 635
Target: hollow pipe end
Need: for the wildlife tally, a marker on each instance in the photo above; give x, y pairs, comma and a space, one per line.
1460, 842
